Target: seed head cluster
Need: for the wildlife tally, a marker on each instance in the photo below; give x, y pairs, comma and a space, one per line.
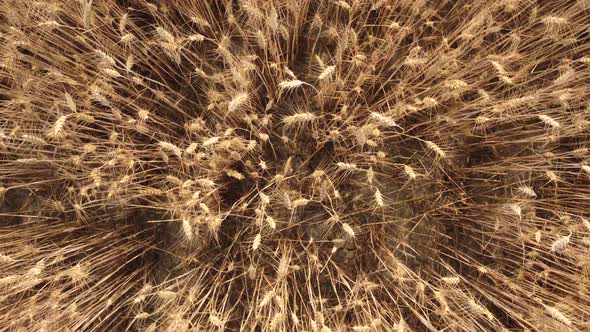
294, 165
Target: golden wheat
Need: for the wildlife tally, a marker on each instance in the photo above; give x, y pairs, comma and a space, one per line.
294, 165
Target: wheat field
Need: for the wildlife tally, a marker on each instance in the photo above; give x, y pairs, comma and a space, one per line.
294, 165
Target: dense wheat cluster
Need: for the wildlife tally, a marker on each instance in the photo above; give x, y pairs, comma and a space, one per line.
294, 165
